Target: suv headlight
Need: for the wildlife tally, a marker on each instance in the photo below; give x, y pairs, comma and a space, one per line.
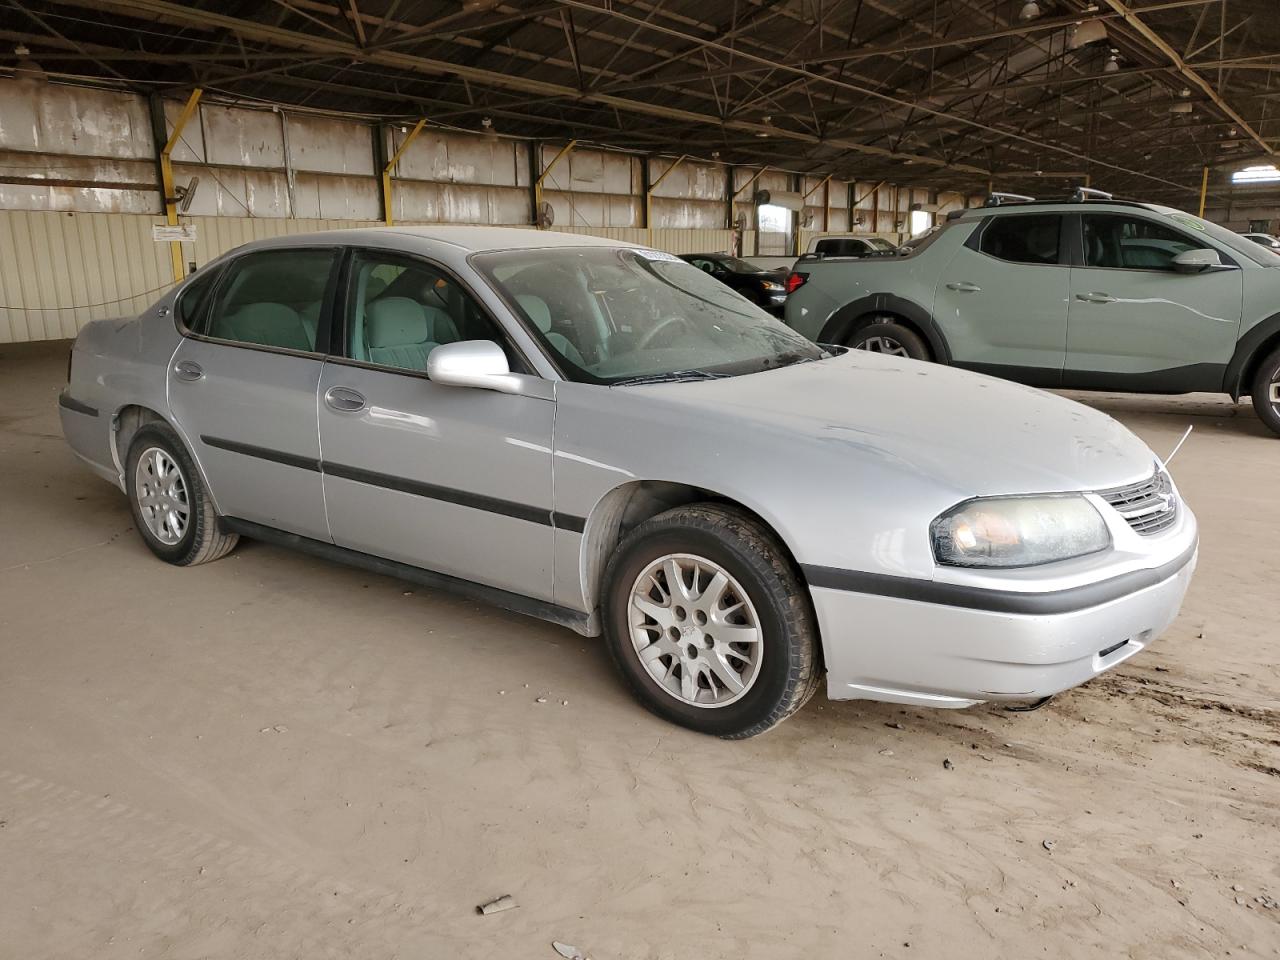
1018, 531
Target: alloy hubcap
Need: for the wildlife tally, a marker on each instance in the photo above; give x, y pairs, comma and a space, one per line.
162, 496
1275, 393
883, 345
695, 630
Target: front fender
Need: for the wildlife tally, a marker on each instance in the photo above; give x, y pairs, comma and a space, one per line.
844, 321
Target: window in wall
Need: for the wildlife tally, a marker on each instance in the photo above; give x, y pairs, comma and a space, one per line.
921, 220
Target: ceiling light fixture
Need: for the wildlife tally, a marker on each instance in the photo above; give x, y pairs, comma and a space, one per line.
1030, 10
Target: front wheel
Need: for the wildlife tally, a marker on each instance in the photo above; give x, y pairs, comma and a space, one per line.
886, 335
1266, 391
708, 622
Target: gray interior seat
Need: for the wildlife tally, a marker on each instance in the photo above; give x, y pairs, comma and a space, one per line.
440, 326
540, 314
399, 333
273, 324
310, 315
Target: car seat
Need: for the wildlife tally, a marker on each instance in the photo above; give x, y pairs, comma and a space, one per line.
537, 310
398, 333
270, 324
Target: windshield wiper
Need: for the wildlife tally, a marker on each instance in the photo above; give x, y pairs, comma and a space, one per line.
674, 376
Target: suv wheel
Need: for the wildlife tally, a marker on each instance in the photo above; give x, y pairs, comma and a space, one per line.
709, 624
171, 509
886, 335
1266, 391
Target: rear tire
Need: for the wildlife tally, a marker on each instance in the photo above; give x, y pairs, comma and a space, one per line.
1266, 391
171, 508
730, 577
886, 335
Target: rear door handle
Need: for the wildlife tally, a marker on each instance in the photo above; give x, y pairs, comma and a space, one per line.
344, 399
188, 370
1096, 297
963, 286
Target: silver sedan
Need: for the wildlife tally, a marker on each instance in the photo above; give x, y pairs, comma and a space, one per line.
603, 436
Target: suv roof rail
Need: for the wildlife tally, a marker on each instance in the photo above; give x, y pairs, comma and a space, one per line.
1088, 193
996, 198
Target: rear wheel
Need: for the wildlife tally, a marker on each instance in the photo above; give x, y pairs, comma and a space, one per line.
709, 624
1266, 391
171, 508
886, 335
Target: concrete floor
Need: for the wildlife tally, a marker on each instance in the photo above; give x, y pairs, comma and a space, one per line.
272, 756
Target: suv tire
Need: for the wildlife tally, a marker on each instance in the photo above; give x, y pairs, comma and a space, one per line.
171, 509
1266, 391
886, 335
735, 579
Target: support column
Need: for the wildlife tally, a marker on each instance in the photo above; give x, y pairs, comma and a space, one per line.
387, 205
168, 194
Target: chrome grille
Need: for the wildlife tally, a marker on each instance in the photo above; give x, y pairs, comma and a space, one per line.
1148, 507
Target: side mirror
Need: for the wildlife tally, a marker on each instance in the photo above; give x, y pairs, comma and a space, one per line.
472, 363
1196, 261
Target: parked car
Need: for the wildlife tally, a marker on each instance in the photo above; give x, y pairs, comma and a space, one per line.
764, 288
1092, 294
833, 245
1263, 240
605, 437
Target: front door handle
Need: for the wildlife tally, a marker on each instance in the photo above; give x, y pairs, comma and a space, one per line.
188, 370
344, 399
963, 286
1096, 297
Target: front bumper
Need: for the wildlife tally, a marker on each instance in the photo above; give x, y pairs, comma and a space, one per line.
932, 654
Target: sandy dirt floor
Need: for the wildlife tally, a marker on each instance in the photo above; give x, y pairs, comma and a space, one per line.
275, 757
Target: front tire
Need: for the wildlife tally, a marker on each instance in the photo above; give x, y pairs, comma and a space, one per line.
171, 508
886, 335
1266, 391
709, 624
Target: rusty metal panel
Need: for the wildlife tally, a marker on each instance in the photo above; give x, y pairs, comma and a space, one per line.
319, 197
75, 121
447, 157
330, 146
237, 137
687, 214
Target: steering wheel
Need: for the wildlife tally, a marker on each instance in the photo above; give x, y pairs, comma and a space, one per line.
662, 324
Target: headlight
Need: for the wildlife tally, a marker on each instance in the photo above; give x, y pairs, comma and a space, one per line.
772, 287
1018, 531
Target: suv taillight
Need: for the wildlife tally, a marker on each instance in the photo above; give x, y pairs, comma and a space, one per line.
795, 281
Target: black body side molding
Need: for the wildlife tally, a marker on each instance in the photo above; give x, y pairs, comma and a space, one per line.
586, 624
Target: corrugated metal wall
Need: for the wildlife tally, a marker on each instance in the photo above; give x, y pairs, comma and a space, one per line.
79, 194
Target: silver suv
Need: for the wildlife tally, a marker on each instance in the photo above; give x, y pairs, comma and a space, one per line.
1086, 293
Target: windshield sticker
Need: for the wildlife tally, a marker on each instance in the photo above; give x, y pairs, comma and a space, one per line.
1186, 221
658, 255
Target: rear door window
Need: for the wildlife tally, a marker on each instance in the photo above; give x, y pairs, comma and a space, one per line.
1023, 238
274, 298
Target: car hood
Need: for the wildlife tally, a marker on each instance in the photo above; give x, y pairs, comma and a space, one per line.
978, 434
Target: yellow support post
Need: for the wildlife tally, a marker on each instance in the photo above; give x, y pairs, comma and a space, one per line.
166, 180
648, 197
1204, 188
387, 216
537, 186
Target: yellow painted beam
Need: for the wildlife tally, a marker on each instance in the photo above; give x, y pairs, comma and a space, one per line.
648, 197
1204, 188
166, 180
537, 186
387, 215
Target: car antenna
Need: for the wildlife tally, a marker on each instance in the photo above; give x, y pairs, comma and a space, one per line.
1186, 434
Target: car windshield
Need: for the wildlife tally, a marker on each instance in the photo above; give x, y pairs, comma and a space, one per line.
1229, 238
880, 244
611, 314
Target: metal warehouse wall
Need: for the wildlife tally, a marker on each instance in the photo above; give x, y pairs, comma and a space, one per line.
79, 194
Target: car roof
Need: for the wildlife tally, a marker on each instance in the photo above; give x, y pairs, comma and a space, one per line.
472, 239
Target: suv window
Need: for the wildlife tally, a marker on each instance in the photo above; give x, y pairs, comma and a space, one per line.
1131, 243
1023, 238
273, 298
400, 309
840, 247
